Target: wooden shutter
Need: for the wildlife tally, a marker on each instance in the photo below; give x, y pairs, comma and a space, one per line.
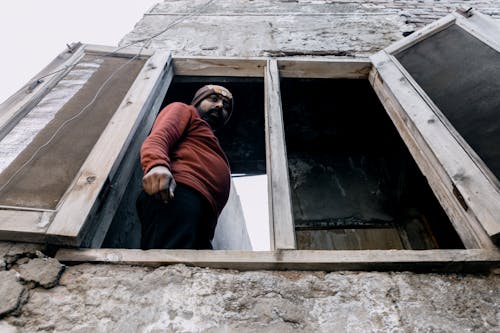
440, 86
68, 142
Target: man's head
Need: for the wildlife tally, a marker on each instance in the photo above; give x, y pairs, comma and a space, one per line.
214, 104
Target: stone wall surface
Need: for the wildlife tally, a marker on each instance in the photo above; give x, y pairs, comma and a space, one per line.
107, 298
38, 294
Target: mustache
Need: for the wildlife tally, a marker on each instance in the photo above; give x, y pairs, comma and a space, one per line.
215, 110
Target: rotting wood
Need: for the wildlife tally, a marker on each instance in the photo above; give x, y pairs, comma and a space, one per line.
281, 218
379, 260
440, 158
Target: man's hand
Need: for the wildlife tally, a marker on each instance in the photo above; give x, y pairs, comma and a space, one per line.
159, 180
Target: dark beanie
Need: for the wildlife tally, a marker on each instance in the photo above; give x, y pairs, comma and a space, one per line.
210, 89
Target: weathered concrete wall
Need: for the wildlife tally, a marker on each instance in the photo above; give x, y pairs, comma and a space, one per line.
288, 27
108, 298
121, 299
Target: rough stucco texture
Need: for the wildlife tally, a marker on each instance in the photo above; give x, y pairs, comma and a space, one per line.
288, 27
106, 298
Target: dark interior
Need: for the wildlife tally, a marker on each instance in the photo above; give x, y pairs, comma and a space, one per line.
243, 137
354, 184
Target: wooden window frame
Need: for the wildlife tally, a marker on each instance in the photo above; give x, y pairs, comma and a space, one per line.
464, 185
473, 205
283, 254
79, 217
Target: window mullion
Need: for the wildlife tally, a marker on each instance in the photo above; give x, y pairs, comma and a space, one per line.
281, 218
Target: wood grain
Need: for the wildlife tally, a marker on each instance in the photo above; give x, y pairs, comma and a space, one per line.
281, 218
440, 158
380, 260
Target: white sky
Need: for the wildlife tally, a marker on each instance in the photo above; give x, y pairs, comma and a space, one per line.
34, 32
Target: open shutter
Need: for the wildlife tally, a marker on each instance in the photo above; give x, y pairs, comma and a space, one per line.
68, 142
440, 86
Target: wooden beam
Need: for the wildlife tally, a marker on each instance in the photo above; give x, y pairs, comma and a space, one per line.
380, 260
322, 68
117, 51
280, 207
467, 196
24, 226
219, 66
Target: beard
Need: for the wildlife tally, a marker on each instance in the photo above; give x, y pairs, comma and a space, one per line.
214, 117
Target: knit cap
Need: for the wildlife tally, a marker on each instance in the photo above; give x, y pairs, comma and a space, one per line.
210, 89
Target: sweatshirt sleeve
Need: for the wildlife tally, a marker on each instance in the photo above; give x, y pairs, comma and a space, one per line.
166, 132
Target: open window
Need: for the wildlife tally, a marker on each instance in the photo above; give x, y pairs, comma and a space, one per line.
65, 142
354, 184
244, 222
439, 86
366, 160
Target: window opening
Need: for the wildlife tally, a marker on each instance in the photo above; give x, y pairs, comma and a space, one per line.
354, 184
243, 140
417, 220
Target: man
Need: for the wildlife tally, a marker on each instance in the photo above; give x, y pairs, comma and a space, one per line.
186, 173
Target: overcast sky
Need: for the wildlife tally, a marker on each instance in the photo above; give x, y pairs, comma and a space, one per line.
33, 32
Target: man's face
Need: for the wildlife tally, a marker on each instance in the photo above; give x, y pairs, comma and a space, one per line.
214, 109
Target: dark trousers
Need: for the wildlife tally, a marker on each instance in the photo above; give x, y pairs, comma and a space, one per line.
186, 222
